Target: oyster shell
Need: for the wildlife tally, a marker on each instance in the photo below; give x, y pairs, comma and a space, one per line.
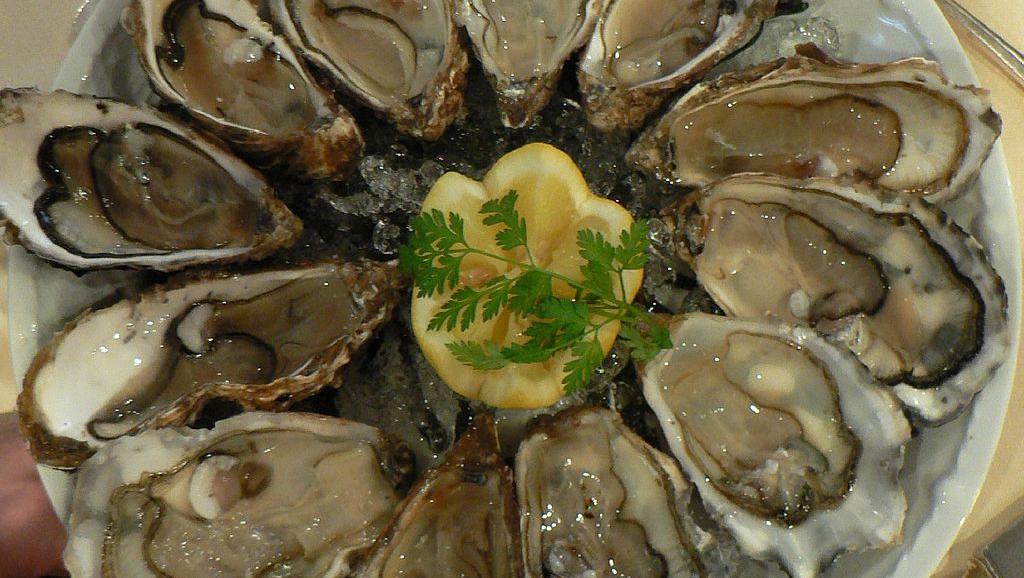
596, 500
93, 183
460, 520
643, 50
258, 495
402, 58
889, 276
791, 444
900, 125
220, 63
523, 44
262, 340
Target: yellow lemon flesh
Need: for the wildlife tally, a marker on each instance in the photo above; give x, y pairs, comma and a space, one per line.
556, 202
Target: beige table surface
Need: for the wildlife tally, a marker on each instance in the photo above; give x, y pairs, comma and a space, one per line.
34, 35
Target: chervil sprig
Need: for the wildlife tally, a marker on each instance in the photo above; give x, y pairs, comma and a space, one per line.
434, 256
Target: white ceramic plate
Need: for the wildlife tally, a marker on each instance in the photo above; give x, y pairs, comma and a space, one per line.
945, 466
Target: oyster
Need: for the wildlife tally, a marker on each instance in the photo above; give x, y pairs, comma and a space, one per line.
460, 520
262, 340
216, 60
791, 444
596, 500
889, 276
643, 50
402, 58
258, 495
523, 44
91, 183
900, 126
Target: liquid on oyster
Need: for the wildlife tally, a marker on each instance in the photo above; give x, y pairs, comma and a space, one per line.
139, 189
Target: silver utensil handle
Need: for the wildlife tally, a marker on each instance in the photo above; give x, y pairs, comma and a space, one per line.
1011, 58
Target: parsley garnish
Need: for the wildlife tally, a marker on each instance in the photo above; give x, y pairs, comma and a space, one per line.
434, 256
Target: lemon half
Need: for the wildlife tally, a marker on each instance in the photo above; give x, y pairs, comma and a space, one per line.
556, 202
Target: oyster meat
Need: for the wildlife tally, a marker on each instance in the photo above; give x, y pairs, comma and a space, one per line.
459, 521
523, 44
403, 58
224, 66
792, 445
260, 494
889, 276
643, 50
262, 340
596, 500
93, 183
900, 125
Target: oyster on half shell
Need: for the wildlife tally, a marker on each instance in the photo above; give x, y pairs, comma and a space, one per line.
459, 521
900, 125
643, 50
260, 494
262, 340
597, 500
887, 275
224, 66
523, 44
92, 183
792, 445
402, 58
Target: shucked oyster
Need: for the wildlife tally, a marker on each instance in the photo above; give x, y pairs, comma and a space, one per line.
643, 50
459, 521
403, 58
900, 125
596, 500
888, 276
216, 60
791, 444
259, 495
522, 45
92, 183
262, 340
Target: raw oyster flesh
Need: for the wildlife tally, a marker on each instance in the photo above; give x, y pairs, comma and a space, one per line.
224, 66
900, 125
596, 500
523, 44
643, 50
402, 58
262, 340
792, 445
93, 183
261, 494
459, 521
889, 276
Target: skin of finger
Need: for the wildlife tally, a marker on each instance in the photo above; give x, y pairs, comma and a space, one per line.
31, 537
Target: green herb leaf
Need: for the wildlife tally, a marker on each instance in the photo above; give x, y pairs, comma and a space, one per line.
478, 355
503, 212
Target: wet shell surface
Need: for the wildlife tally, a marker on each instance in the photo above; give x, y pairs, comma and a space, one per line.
90, 183
219, 62
402, 58
899, 125
261, 340
793, 447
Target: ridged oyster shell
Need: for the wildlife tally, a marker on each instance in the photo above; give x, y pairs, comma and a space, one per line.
92, 183
262, 340
900, 125
792, 445
402, 58
643, 50
597, 500
523, 44
224, 66
459, 520
260, 494
888, 276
